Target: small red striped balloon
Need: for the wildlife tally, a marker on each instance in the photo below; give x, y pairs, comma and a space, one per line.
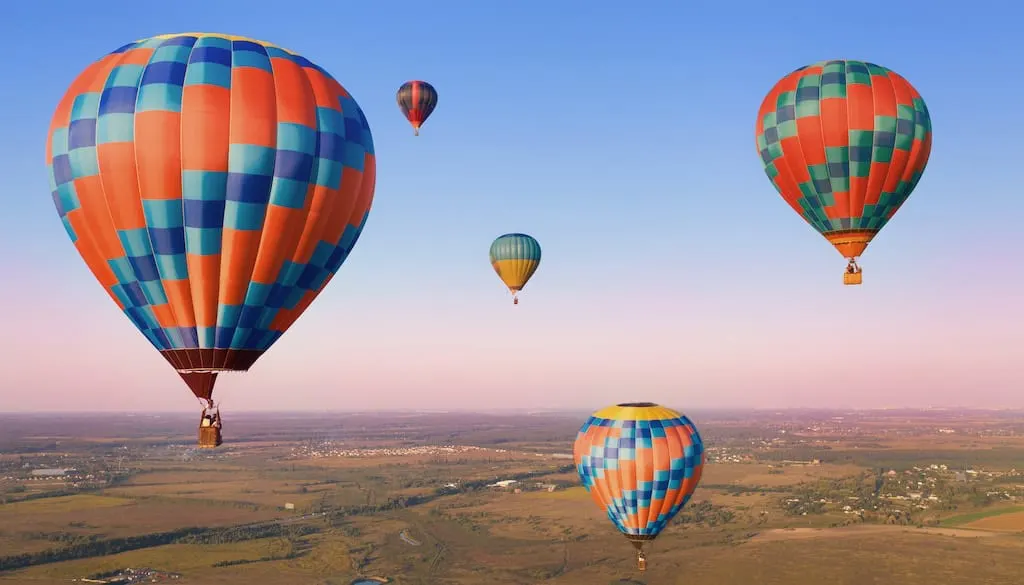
417, 99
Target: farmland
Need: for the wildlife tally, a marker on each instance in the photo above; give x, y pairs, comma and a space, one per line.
325, 500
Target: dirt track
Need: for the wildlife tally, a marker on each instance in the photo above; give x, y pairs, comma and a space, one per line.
802, 533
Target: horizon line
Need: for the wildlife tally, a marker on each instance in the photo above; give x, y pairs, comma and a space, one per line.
520, 410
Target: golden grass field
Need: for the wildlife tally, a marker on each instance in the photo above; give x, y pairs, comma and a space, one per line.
115, 517
893, 557
189, 559
260, 492
60, 505
1011, 522
849, 560
753, 474
22, 545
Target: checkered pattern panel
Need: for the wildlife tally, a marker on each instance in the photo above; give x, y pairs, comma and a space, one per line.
640, 472
213, 185
844, 143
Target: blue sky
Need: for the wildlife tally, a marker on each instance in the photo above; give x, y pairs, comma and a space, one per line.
622, 138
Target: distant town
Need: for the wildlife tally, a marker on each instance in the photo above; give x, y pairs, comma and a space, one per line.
315, 450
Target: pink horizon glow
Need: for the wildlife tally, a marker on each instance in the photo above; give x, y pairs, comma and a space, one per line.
554, 350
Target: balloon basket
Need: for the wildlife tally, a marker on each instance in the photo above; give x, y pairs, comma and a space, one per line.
209, 437
850, 278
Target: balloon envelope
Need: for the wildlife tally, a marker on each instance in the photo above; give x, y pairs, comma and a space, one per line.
417, 100
213, 184
515, 257
844, 143
641, 463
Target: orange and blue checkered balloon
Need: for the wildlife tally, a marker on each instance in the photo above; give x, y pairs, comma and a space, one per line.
640, 462
213, 184
844, 143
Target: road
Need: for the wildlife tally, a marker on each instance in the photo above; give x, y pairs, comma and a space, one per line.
802, 533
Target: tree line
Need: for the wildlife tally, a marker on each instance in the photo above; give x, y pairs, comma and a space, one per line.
112, 546
704, 513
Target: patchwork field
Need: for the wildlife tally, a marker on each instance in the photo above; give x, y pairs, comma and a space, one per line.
768, 475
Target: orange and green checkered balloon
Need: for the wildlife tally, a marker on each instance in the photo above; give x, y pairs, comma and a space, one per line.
844, 143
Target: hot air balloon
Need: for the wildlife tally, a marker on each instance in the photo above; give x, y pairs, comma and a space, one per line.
515, 257
844, 143
417, 99
213, 184
641, 463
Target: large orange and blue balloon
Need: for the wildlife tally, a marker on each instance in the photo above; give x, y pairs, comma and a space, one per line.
213, 184
640, 462
844, 143
515, 257
417, 100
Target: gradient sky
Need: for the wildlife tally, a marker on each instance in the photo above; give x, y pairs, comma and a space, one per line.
623, 139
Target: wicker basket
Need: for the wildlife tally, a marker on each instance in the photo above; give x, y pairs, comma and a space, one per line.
852, 277
209, 437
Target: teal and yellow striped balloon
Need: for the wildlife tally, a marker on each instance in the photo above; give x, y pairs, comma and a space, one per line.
515, 257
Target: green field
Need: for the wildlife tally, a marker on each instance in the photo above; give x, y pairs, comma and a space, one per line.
963, 519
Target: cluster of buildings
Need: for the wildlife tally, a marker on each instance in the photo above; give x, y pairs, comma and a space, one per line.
65, 467
69, 477
917, 488
919, 481
131, 577
726, 455
312, 450
518, 487
835, 427
336, 450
